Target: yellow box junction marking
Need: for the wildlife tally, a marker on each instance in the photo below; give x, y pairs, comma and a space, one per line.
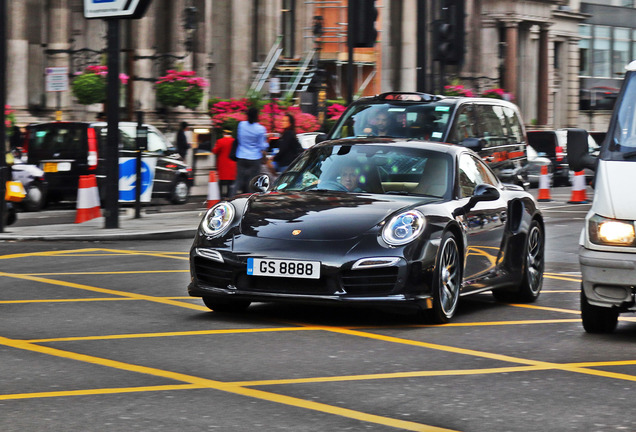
191, 382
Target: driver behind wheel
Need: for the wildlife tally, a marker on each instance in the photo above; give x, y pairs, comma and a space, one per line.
350, 178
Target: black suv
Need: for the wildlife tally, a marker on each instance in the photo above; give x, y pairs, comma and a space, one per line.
66, 150
491, 127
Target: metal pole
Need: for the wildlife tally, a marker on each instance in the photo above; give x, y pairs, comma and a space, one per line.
112, 140
421, 46
3, 100
350, 37
138, 184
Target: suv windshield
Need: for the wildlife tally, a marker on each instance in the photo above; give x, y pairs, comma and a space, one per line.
373, 169
426, 120
622, 144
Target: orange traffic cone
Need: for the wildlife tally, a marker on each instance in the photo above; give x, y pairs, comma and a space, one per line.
544, 185
214, 196
87, 199
579, 195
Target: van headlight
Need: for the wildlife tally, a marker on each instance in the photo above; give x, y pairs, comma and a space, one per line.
218, 218
604, 231
403, 228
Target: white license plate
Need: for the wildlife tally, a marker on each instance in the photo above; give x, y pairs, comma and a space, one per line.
283, 268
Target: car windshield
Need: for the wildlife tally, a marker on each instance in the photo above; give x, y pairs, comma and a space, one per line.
368, 168
426, 120
622, 145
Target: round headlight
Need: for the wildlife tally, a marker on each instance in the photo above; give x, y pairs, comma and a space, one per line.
404, 228
218, 218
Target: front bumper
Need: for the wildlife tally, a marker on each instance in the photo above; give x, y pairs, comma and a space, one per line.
223, 274
609, 278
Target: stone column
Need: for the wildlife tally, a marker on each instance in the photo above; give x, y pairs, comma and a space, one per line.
543, 76
58, 40
240, 47
408, 71
573, 83
17, 55
511, 57
144, 72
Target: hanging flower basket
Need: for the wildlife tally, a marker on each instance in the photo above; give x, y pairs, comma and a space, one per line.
89, 86
497, 93
9, 119
180, 88
457, 90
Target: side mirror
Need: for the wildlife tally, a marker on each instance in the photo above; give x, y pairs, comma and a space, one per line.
483, 192
474, 144
321, 137
578, 156
259, 183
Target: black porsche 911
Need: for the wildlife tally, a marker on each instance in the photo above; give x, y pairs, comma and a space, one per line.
372, 222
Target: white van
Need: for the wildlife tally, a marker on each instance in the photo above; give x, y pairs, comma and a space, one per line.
608, 241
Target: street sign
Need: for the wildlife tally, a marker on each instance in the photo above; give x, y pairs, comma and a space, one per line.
128, 178
56, 79
115, 8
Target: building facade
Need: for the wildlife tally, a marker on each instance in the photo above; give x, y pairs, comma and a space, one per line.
559, 59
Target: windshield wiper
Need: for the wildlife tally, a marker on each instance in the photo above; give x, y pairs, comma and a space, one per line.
629, 155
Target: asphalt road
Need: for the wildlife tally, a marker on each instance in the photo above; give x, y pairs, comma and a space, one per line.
102, 337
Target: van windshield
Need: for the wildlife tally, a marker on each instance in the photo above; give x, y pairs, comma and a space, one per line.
427, 121
622, 143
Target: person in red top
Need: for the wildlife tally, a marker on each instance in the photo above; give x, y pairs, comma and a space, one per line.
225, 167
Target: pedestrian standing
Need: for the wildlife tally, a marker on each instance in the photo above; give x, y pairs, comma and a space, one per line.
250, 151
182, 141
288, 145
225, 167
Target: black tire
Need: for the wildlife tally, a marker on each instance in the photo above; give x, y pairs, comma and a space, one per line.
35, 198
597, 319
224, 305
533, 265
180, 192
447, 279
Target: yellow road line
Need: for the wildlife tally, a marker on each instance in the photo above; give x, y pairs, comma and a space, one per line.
168, 334
107, 273
106, 291
98, 391
230, 388
89, 299
545, 308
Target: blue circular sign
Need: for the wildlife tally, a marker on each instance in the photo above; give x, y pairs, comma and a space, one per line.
127, 181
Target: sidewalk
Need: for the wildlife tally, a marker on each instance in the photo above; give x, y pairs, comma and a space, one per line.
155, 226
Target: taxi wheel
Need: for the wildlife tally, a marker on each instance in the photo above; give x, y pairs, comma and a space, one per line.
180, 192
597, 319
224, 305
34, 199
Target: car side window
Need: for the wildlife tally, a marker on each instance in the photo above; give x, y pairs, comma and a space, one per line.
472, 172
155, 143
492, 125
515, 130
464, 125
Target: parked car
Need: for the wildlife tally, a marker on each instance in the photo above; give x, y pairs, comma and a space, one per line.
491, 127
553, 144
66, 150
375, 222
535, 165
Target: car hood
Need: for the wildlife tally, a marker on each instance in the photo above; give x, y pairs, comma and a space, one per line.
317, 215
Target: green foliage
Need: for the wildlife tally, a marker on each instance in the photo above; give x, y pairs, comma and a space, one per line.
175, 93
89, 88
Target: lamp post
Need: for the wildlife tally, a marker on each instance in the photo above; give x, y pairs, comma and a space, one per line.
318, 31
3, 100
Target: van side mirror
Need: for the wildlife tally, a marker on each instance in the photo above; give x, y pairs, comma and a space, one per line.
483, 192
578, 156
321, 137
474, 144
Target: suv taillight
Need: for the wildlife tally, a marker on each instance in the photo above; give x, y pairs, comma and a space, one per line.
92, 149
559, 153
